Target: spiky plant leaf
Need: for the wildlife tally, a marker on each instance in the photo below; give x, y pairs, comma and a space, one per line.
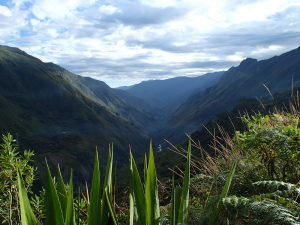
107, 189
216, 211
62, 192
145, 168
151, 192
70, 215
95, 204
112, 212
137, 194
54, 214
27, 216
184, 201
130, 217
175, 203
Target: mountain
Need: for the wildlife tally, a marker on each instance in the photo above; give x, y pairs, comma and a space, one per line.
229, 122
63, 116
160, 98
250, 79
129, 108
166, 95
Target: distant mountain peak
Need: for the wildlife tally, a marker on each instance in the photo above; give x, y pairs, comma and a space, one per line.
248, 61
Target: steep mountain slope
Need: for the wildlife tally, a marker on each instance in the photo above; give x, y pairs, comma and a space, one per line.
247, 80
230, 122
64, 116
168, 94
115, 102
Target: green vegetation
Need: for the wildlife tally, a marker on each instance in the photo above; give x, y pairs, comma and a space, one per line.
10, 163
265, 187
253, 178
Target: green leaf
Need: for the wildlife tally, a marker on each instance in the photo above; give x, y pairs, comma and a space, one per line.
213, 220
151, 192
175, 202
110, 207
137, 194
145, 168
54, 215
130, 217
107, 187
184, 201
70, 216
62, 192
27, 216
95, 204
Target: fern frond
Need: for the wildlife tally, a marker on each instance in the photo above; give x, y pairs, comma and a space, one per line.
264, 212
201, 177
283, 201
271, 213
279, 188
276, 185
234, 201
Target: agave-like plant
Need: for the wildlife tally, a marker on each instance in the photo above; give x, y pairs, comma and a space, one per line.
144, 202
143, 197
60, 204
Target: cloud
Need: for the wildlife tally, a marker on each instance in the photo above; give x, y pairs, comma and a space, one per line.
126, 40
57, 9
4, 11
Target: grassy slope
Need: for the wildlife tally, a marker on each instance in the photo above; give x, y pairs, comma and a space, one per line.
40, 103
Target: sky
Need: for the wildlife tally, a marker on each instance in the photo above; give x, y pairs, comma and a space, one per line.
123, 42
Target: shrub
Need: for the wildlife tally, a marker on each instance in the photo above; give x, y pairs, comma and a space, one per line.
271, 146
11, 161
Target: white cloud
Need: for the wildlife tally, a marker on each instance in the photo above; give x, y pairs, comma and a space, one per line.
135, 40
261, 10
108, 9
57, 9
268, 49
160, 3
5, 11
237, 57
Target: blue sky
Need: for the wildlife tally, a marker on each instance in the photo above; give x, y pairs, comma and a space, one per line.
126, 41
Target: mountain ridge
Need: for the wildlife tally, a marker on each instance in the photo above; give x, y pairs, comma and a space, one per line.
53, 112
252, 78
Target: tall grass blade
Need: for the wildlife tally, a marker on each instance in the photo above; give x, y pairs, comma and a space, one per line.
112, 212
107, 189
62, 192
77, 216
137, 195
213, 220
184, 201
151, 192
175, 203
27, 216
70, 215
54, 215
95, 204
130, 217
145, 168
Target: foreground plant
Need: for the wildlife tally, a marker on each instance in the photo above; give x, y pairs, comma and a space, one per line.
144, 201
11, 161
60, 202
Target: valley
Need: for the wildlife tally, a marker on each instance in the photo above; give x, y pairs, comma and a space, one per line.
63, 116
